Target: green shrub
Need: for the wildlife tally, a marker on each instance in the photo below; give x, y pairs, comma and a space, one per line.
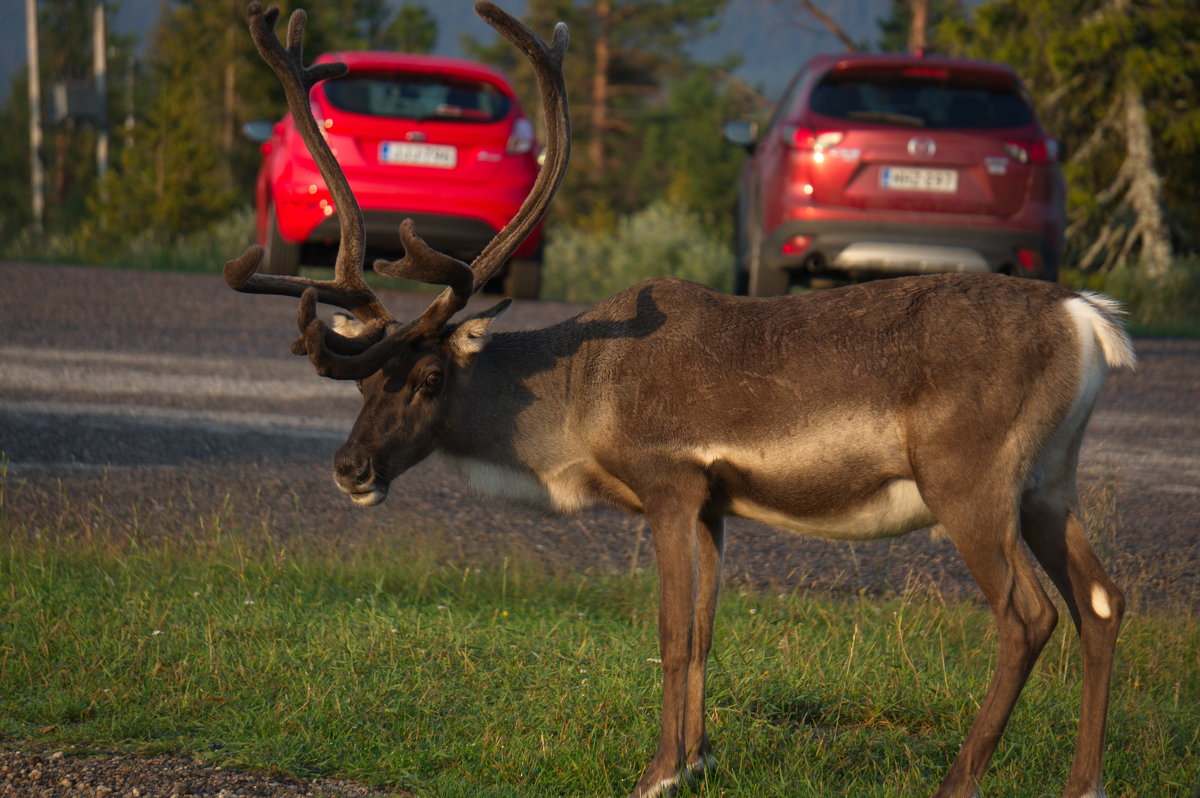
662, 240
1170, 305
149, 248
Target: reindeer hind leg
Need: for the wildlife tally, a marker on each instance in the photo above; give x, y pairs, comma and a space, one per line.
984, 530
1050, 525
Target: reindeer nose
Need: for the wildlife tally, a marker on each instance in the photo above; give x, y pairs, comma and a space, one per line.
353, 473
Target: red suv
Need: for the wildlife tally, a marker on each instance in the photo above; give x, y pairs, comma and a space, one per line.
882, 165
442, 141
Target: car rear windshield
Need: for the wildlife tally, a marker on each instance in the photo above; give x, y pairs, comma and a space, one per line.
921, 102
418, 97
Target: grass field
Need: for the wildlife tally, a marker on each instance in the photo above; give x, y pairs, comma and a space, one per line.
390, 668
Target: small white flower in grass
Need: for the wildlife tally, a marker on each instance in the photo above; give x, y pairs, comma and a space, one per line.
753, 611
248, 602
654, 659
395, 631
442, 607
156, 632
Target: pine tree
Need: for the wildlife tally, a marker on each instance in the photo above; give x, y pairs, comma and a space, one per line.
894, 29
623, 55
412, 30
1115, 80
188, 166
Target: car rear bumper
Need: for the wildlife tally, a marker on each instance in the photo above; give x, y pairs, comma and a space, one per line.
871, 249
459, 236
456, 218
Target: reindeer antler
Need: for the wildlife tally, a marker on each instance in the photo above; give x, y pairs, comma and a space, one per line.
547, 63
334, 355
347, 289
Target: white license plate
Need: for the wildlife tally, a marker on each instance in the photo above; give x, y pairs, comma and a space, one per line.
439, 156
903, 178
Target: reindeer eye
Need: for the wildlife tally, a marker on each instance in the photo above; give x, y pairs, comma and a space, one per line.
433, 381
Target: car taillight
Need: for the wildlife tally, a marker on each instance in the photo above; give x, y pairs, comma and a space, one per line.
806, 139
925, 73
1033, 150
521, 140
1030, 260
795, 245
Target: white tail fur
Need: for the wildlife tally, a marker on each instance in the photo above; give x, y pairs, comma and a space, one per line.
1104, 315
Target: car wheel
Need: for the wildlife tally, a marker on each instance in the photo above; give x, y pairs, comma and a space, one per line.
523, 279
741, 257
762, 278
281, 256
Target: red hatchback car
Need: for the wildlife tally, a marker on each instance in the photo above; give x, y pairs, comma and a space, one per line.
439, 140
882, 165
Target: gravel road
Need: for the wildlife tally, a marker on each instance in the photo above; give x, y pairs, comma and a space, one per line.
141, 401
170, 395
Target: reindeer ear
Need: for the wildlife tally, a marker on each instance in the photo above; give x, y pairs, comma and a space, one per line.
347, 326
469, 336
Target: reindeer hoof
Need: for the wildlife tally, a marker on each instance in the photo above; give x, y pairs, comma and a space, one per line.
663, 789
703, 765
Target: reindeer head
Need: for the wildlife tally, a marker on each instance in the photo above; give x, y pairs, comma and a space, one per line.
405, 370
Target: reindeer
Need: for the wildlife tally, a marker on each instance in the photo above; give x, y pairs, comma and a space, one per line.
863, 412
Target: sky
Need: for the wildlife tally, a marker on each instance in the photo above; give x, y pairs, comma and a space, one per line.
773, 36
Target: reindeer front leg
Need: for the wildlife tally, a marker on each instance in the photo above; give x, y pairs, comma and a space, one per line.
710, 539
673, 526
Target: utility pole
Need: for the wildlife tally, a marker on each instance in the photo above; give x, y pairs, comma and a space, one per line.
37, 177
100, 74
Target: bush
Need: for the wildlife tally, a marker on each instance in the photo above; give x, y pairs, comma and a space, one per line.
662, 240
1170, 305
149, 248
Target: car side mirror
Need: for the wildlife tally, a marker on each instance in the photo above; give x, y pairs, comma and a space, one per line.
258, 131
741, 132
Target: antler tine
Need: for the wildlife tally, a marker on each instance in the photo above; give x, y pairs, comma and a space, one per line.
547, 63
347, 289
424, 263
316, 337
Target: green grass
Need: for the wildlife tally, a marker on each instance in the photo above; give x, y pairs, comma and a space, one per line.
387, 667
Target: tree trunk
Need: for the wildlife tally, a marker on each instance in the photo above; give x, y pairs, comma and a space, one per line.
1145, 188
918, 26
600, 90
831, 24
229, 120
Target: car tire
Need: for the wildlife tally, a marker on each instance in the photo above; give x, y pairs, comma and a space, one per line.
741, 257
523, 279
281, 256
762, 279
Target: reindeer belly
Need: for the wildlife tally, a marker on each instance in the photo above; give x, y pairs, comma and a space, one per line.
896, 508
855, 490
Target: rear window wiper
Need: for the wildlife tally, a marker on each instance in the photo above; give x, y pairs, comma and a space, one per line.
891, 117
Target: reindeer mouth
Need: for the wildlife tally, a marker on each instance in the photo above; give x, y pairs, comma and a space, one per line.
368, 498
360, 481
